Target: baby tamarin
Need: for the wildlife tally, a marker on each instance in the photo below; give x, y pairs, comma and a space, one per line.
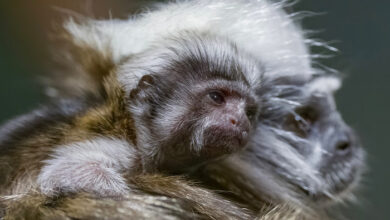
192, 103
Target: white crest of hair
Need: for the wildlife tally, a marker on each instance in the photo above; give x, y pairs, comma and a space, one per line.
94, 166
259, 27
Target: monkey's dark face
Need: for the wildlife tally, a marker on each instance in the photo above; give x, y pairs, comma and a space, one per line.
201, 118
218, 120
228, 123
332, 147
303, 147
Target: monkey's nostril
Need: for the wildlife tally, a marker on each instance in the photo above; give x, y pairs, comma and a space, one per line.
343, 147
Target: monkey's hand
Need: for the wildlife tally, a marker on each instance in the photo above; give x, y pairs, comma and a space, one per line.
93, 166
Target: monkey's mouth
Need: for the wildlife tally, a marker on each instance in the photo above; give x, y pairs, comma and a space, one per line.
336, 184
218, 143
339, 180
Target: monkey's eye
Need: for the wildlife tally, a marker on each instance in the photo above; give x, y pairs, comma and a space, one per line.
301, 120
251, 112
217, 97
308, 114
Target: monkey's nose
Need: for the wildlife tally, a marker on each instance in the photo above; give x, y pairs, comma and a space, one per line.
344, 145
233, 121
239, 123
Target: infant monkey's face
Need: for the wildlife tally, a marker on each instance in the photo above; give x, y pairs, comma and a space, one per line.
226, 114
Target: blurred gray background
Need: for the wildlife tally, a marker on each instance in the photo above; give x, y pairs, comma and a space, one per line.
360, 29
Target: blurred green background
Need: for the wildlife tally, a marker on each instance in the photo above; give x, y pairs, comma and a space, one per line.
361, 30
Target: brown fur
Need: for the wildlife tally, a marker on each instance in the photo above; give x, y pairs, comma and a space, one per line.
287, 212
157, 197
202, 200
22, 163
142, 205
84, 206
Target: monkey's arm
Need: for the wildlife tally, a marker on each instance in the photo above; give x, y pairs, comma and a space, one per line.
93, 166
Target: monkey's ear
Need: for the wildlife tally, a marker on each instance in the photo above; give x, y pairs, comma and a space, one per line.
146, 81
145, 84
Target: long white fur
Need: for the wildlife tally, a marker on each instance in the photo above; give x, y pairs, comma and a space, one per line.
94, 166
259, 27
